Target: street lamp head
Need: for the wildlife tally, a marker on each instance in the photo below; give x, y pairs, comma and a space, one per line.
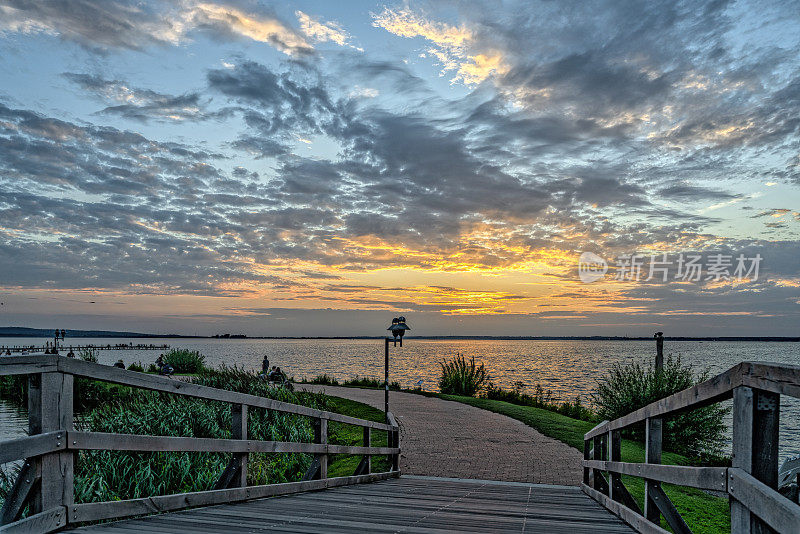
398, 327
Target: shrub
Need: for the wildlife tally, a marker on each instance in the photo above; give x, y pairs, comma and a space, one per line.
185, 360
324, 380
540, 399
89, 355
372, 383
460, 377
138, 367
627, 388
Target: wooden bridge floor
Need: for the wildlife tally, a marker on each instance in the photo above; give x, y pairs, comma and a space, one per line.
408, 504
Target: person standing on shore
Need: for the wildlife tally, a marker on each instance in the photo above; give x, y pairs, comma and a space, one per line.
265, 366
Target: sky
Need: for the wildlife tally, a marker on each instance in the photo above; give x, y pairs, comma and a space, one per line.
317, 168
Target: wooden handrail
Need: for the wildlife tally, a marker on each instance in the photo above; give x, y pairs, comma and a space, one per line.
752, 480
777, 378
106, 373
29, 446
49, 450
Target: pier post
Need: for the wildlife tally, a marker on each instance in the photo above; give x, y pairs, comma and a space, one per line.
659, 351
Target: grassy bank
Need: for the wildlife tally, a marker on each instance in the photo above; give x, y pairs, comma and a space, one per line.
340, 465
704, 513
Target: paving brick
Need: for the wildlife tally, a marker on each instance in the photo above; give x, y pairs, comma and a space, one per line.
450, 439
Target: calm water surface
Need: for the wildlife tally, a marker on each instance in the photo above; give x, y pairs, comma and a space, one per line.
568, 368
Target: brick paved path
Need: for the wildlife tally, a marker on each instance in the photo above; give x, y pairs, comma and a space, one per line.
450, 439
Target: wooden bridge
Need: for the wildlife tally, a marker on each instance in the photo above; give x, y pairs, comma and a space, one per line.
390, 503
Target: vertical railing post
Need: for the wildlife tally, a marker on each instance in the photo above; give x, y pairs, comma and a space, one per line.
587, 455
50, 410
35, 427
599, 484
239, 431
614, 455
322, 438
367, 443
742, 452
653, 441
393, 440
756, 415
396, 444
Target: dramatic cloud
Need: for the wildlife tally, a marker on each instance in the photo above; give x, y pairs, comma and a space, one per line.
450, 45
357, 179
108, 24
322, 31
142, 104
228, 21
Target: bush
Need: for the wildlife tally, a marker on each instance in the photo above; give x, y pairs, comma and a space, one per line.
89, 355
185, 360
324, 380
540, 399
627, 388
372, 383
460, 377
138, 367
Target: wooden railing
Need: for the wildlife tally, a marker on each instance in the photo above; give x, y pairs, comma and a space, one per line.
751, 481
45, 483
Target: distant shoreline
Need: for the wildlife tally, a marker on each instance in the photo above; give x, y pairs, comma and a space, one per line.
17, 331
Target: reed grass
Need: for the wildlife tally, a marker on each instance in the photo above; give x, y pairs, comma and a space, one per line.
185, 361
462, 377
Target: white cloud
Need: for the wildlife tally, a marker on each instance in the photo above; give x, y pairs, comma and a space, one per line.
322, 31
255, 27
455, 47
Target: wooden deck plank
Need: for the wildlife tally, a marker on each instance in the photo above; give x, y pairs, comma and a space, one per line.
423, 506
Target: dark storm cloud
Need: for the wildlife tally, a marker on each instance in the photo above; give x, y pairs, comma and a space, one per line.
688, 192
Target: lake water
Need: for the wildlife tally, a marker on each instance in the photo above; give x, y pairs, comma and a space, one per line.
567, 368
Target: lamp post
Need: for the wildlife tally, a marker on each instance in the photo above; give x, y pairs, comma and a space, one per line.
398, 329
58, 334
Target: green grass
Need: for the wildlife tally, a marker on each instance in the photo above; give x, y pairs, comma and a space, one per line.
704, 513
340, 465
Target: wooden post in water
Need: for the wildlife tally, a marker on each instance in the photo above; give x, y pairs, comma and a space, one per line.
659, 350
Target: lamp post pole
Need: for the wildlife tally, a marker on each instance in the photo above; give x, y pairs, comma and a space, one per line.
386, 376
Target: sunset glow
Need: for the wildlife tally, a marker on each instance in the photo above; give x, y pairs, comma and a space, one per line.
312, 168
